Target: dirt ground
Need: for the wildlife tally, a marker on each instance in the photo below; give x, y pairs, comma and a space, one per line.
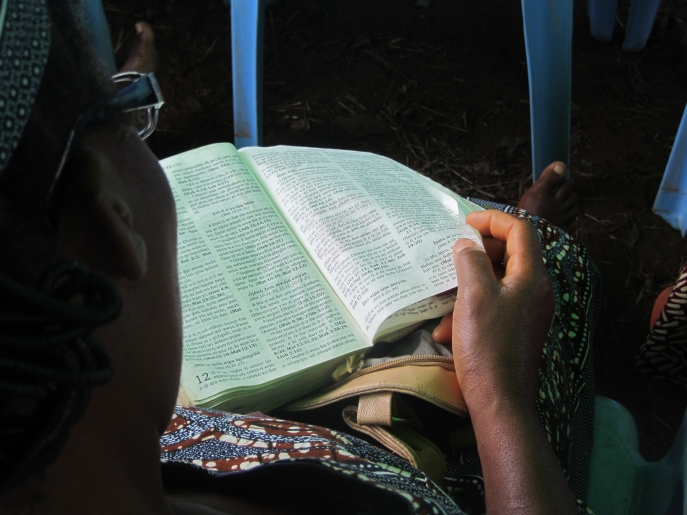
443, 89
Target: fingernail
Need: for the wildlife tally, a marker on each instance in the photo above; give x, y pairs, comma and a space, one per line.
139, 28
559, 169
463, 244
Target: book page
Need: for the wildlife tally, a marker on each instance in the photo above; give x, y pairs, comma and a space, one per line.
254, 306
380, 233
404, 320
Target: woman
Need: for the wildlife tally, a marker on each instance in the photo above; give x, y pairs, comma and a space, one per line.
90, 331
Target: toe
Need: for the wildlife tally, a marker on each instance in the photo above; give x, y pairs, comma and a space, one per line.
571, 213
143, 55
571, 206
565, 191
552, 176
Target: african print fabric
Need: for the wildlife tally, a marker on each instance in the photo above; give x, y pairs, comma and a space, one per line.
664, 353
224, 444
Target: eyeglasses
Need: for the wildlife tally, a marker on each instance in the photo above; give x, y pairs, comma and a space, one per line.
151, 96
141, 95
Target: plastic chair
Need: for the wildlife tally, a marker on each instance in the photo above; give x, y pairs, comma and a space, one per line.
93, 16
548, 37
621, 482
548, 42
247, 22
639, 21
671, 200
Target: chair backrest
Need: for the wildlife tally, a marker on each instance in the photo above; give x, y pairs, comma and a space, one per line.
621, 482
93, 15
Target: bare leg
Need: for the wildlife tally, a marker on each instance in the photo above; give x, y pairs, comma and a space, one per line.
552, 198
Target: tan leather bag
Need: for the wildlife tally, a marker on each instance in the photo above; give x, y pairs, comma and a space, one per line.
380, 408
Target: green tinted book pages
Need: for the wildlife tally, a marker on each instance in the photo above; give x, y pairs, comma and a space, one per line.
293, 261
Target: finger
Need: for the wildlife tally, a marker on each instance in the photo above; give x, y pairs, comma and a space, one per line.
497, 224
494, 248
472, 264
499, 271
522, 255
443, 332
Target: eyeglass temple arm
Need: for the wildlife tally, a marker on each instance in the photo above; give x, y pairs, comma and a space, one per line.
142, 94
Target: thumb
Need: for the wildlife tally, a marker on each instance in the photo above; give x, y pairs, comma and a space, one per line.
472, 263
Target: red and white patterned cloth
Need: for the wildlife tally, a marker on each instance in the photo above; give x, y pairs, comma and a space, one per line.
664, 353
223, 444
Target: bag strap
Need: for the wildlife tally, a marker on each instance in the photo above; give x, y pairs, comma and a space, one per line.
375, 416
385, 409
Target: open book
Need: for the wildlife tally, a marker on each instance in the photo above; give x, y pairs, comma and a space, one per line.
293, 261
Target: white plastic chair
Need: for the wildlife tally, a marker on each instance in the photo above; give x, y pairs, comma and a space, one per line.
621, 482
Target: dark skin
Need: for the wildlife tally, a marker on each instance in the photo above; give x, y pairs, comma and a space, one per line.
118, 218
112, 465
497, 331
143, 55
553, 197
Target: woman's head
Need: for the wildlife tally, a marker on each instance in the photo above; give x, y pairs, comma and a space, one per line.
70, 80
116, 216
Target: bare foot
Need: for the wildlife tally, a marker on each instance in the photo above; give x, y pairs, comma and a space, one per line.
552, 198
143, 56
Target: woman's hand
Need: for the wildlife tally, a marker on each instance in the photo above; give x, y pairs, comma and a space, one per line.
501, 320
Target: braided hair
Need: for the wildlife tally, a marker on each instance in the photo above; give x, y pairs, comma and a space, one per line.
48, 361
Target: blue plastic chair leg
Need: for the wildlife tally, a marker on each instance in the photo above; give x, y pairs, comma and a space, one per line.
93, 16
247, 21
671, 201
602, 18
639, 24
548, 41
